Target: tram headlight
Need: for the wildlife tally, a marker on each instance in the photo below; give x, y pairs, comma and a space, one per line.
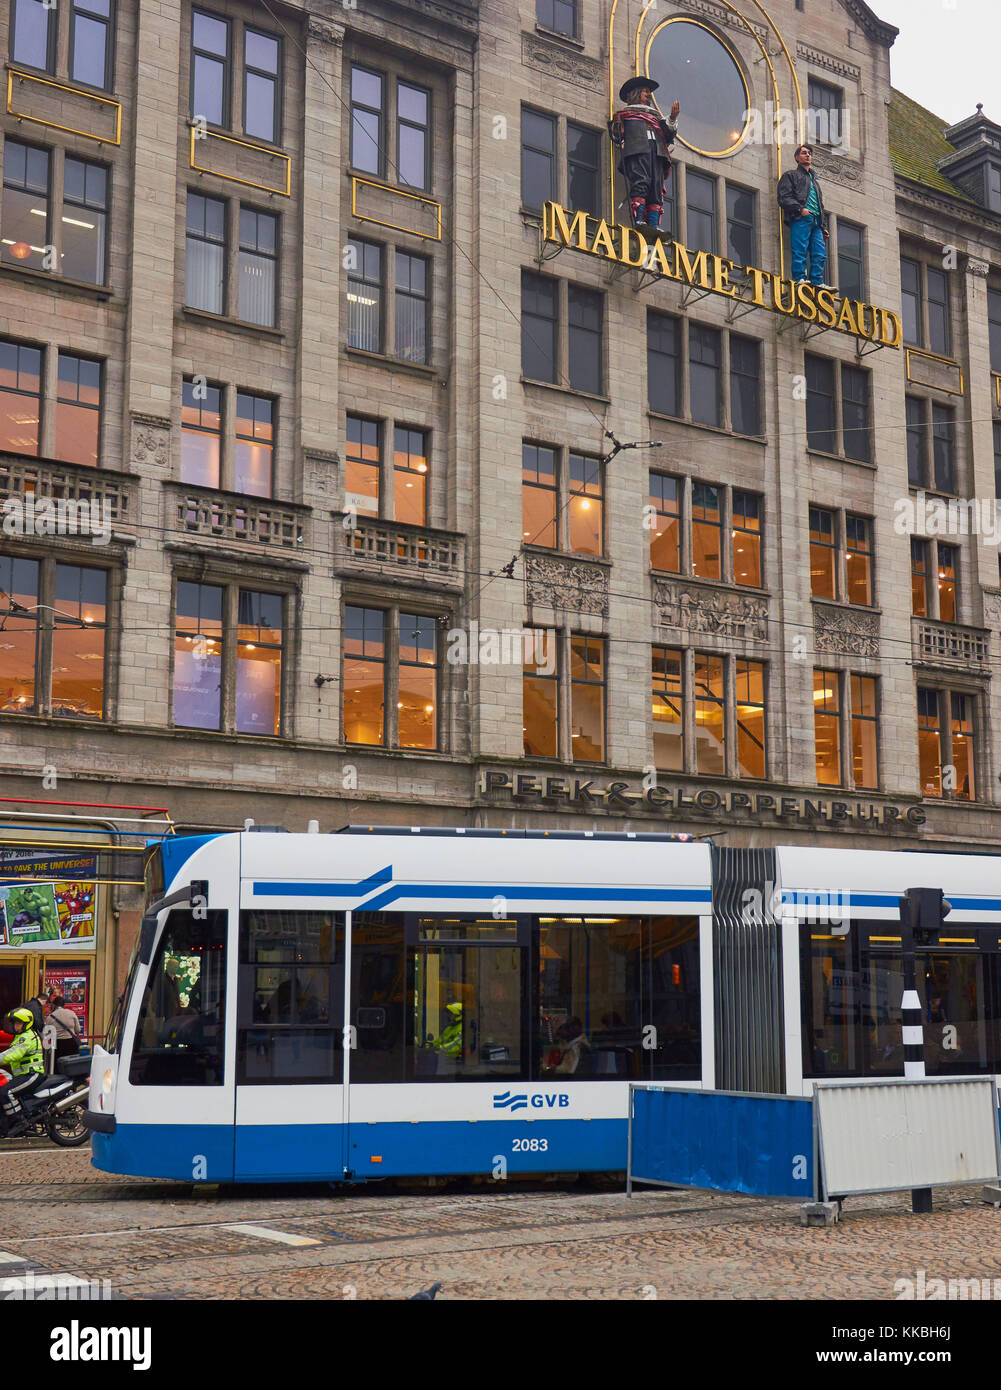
108, 1082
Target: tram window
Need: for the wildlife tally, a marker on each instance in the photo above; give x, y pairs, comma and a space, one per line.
618, 998
959, 1021
832, 999
291, 997
468, 1015
180, 1036
378, 991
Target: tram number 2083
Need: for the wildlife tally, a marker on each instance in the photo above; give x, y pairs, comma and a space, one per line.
524, 1146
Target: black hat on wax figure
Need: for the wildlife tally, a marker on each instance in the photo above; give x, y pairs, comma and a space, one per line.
634, 84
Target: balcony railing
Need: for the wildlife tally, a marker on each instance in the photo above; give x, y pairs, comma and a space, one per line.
114, 495
399, 550
198, 511
950, 644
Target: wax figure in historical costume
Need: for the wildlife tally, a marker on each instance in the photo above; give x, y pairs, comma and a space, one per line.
644, 138
802, 202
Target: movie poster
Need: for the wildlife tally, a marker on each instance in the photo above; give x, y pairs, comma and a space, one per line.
47, 899
72, 981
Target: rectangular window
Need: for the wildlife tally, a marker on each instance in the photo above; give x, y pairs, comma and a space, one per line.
364, 295
558, 15
91, 37
919, 578
705, 360
210, 68
25, 221
410, 475
827, 727
826, 107
587, 699
78, 410
745, 385
205, 254
84, 221
586, 505
710, 716
33, 34
929, 742
851, 260
700, 193
258, 663
538, 495
255, 444
939, 334
855, 413
413, 105
181, 1034
668, 709
747, 538
823, 555
821, 420
540, 694
261, 86
19, 596
538, 159
911, 308
997, 460
418, 698
707, 532
20, 398
865, 726
663, 356
201, 434
538, 327
916, 414
366, 120
291, 998
583, 169
364, 675
741, 225
78, 638
943, 419
962, 746
947, 583
858, 559
946, 744
411, 343
258, 278
585, 309
994, 327
362, 466
665, 535
750, 679
198, 656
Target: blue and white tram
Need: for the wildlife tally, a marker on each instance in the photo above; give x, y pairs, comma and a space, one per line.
496, 992
356, 1006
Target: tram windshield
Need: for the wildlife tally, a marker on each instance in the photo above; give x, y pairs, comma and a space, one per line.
180, 1033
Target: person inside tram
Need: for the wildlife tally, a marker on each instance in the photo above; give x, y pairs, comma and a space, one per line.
448, 1043
576, 1047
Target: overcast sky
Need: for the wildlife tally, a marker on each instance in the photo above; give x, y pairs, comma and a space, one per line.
946, 54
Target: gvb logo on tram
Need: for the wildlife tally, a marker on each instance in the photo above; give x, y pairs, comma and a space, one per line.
522, 1100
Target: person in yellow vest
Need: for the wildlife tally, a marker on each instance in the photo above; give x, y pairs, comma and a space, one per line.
26, 1064
449, 1042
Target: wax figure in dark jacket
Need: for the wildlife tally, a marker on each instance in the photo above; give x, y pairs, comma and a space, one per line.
802, 202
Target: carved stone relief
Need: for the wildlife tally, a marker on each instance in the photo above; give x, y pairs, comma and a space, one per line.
846, 631
568, 584
150, 442
718, 612
556, 61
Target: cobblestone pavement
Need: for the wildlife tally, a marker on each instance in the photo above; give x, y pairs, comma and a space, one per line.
544, 1241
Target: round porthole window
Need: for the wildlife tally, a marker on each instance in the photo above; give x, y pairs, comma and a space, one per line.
694, 66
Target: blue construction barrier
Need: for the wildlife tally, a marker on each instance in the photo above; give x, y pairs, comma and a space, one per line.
725, 1140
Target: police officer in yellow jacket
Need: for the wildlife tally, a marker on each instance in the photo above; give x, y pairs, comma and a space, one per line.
26, 1063
449, 1043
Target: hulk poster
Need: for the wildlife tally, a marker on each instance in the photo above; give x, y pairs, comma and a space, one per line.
46, 899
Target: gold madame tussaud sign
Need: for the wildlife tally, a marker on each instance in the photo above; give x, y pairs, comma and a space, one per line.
669, 260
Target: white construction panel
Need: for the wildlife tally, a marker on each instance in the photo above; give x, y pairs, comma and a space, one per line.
895, 1135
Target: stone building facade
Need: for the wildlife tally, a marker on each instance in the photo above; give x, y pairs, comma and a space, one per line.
357, 424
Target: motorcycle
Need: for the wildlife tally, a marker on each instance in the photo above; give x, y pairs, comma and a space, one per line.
56, 1106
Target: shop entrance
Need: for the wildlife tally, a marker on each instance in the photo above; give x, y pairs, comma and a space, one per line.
11, 988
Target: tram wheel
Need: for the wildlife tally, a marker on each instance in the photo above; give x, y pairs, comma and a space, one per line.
68, 1129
